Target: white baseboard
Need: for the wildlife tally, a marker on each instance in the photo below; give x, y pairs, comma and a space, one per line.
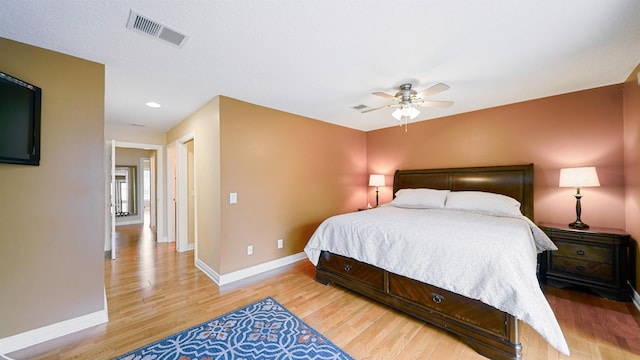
130, 221
212, 274
189, 247
46, 333
49, 332
229, 278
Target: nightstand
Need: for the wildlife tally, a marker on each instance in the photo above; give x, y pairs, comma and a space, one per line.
600, 259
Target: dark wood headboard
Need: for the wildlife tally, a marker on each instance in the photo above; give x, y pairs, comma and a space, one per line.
515, 181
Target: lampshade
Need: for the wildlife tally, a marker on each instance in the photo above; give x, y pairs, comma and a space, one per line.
579, 177
376, 180
405, 111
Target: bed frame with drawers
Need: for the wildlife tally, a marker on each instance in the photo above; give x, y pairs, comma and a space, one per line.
489, 331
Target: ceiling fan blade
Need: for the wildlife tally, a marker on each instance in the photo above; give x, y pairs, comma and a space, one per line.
437, 103
437, 88
378, 108
384, 95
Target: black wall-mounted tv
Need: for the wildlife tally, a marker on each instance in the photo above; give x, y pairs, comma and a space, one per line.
19, 121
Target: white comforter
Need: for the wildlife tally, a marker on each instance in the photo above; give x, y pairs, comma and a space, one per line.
481, 256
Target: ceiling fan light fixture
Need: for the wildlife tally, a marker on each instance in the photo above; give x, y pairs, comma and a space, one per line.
413, 112
153, 104
405, 112
397, 114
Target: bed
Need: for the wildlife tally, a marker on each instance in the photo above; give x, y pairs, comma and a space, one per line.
482, 305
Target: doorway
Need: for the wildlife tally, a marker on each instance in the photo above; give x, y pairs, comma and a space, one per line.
156, 209
181, 160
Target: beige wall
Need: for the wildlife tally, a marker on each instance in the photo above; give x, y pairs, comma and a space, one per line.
134, 134
632, 161
204, 124
290, 173
577, 129
132, 156
52, 215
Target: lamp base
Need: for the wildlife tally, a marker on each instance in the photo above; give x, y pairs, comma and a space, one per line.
578, 225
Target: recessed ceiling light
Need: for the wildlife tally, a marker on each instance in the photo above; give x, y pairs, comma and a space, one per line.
153, 104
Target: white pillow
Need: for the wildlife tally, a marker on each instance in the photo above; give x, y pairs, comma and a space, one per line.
420, 198
483, 201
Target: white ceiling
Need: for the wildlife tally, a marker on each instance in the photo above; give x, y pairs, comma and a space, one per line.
319, 58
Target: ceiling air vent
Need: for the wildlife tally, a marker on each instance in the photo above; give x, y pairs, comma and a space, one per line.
155, 29
360, 107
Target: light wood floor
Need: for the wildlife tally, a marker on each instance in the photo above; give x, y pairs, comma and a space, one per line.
154, 292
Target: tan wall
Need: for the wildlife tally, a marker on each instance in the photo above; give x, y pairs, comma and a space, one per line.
134, 134
576, 129
205, 125
131, 157
52, 215
632, 161
290, 173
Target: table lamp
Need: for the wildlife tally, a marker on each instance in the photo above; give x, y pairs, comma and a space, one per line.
376, 180
578, 178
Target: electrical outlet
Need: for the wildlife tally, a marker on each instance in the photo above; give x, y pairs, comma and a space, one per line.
250, 250
280, 243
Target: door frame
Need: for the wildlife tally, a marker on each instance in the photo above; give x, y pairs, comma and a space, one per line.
171, 196
110, 213
152, 190
161, 233
179, 222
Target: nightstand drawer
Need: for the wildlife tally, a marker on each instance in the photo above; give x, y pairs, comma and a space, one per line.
583, 268
585, 252
604, 239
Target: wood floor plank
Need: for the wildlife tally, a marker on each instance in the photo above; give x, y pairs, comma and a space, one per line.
154, 291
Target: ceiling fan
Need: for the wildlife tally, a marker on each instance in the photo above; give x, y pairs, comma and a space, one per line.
407, 99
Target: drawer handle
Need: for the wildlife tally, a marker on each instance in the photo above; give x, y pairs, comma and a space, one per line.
347, 268
580, 252
437, 298
581, 268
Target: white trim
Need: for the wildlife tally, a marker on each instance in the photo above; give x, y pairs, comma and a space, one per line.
161, 226
182, 194
135, 220
171, 196
190, 247
226, 279
194, 245
635, 297
212, 274
49, 332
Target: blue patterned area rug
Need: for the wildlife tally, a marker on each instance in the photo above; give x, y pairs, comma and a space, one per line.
262, 330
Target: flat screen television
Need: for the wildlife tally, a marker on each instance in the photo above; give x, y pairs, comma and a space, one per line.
19, 121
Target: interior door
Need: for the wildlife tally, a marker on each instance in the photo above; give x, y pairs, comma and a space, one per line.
110, 155
113, 193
